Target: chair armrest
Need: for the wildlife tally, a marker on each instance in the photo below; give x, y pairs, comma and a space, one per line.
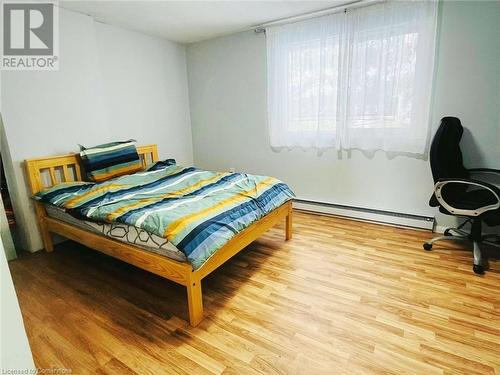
460, 211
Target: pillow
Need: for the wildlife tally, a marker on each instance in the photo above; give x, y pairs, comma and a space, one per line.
110, 160
160, 165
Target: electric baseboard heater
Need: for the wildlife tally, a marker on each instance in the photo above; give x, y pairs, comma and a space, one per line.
367, 214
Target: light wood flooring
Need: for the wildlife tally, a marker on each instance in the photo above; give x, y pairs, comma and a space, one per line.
342, 297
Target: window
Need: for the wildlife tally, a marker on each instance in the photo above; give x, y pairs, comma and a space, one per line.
360, 79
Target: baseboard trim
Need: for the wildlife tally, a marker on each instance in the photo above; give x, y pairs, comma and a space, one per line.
366, 214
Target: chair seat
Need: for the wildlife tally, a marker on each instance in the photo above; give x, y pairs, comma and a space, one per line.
491, 218
474, 199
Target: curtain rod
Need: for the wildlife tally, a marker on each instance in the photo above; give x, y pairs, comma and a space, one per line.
317, 13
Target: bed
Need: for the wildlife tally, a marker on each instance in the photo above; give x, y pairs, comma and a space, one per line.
49, 172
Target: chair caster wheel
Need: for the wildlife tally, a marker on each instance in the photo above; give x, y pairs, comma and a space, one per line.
447, 232
427, 246
477, 268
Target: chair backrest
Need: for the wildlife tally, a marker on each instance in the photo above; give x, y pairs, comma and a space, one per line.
446, 157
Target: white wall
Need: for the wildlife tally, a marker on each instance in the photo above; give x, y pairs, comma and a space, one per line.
5, 234
113, 84
227, 88
15, 352
146, 92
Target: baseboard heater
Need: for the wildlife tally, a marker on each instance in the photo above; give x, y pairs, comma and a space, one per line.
367, 214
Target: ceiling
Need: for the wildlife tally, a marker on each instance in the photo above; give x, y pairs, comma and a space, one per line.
193, 21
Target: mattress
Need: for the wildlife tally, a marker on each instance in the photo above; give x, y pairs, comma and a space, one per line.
121, 232
195, 210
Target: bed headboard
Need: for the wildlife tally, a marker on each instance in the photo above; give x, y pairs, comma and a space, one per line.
48, 171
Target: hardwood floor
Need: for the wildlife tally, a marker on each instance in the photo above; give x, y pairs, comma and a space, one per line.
342, 297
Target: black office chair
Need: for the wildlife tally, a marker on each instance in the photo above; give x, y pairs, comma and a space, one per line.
457, 193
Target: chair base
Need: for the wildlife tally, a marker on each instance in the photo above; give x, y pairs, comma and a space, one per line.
456, 234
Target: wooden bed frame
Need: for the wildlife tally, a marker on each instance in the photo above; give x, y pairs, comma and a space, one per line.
67, 168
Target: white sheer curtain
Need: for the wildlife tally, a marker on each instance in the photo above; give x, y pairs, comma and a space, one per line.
360, 79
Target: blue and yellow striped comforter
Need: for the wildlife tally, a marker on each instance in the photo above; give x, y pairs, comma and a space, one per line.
196, 210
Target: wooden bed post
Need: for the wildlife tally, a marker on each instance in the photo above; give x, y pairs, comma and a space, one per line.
35, 182
195, 300
48, 244
288, 223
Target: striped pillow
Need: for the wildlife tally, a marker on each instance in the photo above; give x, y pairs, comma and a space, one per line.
110, 160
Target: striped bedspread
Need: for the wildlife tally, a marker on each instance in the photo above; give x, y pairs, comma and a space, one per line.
196, 210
